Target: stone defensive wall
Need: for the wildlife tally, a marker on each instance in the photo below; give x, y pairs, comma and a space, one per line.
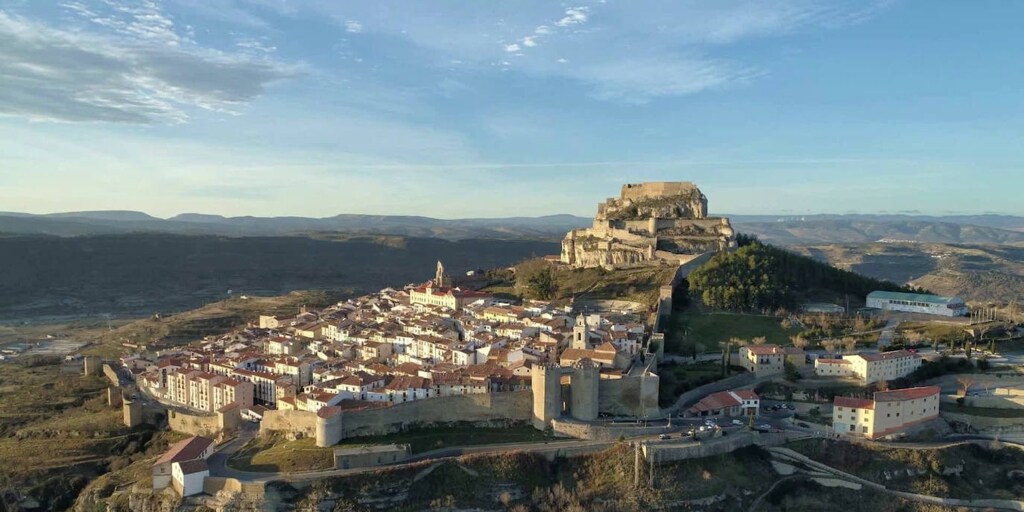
193, 424
629, 396
301, 423
212, 485
595, 432
636, 191
490, 409
484, 408
111, 374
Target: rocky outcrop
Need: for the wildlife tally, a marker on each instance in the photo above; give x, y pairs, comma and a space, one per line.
648, 222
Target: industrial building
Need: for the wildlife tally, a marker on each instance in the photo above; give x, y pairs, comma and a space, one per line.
917, 303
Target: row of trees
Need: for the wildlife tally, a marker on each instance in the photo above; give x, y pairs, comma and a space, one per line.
759, 277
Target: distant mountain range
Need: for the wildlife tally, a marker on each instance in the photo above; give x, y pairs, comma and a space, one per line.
125, 222
780, 230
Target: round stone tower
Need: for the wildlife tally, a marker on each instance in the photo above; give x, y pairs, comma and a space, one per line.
547, 394
328, 426
586, 377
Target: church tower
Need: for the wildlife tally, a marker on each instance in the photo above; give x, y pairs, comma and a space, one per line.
581, 333
441, 279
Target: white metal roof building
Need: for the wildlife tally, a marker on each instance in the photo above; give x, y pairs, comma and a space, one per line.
917, 303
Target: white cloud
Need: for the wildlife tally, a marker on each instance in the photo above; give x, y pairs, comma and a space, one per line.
353, 27
641, 79
542, 30
512, 48
573, 16
529, 41
140, 71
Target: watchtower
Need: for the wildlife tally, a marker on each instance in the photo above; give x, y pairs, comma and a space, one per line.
132, 412
585, 379
547, 394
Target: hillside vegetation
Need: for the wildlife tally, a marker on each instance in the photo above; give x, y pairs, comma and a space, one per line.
539, 279
760, 277
57, 435
146, 273
974, 272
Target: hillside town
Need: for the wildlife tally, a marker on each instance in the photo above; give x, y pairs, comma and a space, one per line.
372, 365
424, 341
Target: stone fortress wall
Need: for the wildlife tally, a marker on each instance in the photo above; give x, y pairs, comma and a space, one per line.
649, 222
485, 409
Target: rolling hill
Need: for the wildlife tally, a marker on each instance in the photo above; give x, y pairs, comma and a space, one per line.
147, 273
978, 273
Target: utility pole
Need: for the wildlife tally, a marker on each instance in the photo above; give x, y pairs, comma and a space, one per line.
651, 482
636, 464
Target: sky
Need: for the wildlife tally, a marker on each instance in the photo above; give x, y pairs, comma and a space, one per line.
488, 109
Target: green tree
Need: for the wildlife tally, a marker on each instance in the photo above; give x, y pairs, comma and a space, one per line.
535, 279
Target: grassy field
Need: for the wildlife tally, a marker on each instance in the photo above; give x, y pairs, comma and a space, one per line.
274, 454
422, 440
988, 412
708, 331
933, 330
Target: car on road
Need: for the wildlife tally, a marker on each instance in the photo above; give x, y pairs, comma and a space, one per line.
664, 436
763, 428
803, 425
738, 423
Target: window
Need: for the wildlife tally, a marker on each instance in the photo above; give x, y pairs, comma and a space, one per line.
864, 430
852, 428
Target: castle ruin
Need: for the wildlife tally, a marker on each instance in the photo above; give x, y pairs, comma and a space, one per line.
649, 222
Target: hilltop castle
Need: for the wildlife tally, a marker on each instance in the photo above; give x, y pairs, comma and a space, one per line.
649, 222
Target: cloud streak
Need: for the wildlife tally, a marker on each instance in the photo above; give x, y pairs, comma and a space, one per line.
137, 70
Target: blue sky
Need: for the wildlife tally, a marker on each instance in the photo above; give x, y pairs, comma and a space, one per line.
480, 108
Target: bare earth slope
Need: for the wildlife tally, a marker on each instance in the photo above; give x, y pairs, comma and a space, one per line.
975, 272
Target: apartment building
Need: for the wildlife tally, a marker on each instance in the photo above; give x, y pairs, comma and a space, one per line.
762, 360
886, 413
883, 366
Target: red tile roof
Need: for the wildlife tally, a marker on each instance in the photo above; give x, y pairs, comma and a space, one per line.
895, 354
854, 403
186, 449
899, 395
191, 467
763, 350
824, 360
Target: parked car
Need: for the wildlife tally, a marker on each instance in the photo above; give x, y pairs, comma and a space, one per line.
738, 423
803, 425
664, 437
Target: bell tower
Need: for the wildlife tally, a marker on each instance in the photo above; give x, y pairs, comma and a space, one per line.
581, 333
441, 279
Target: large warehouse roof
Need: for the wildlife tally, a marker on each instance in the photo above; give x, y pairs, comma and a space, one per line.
916, 297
